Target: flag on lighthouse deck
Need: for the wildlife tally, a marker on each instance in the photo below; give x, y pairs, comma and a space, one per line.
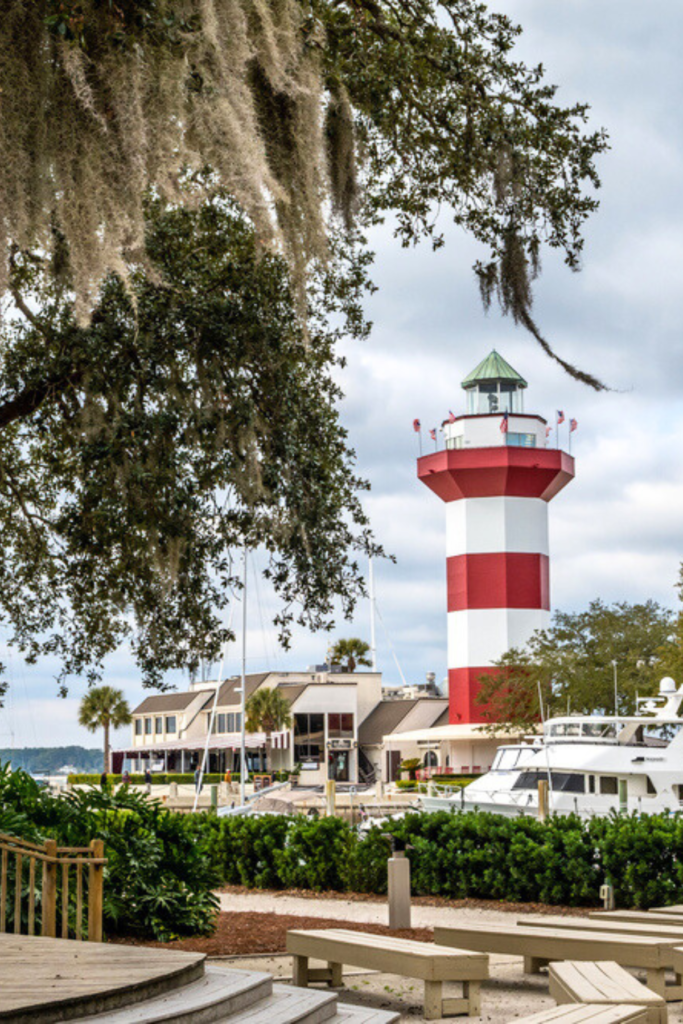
451, 416
572, 425
432, 433
548, 431
416, 426
560, 416
504, 423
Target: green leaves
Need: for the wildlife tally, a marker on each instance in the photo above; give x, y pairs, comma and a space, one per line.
158, 880
573, 662
196, 414
563, 861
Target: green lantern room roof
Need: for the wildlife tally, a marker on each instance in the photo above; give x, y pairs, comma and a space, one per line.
494, 367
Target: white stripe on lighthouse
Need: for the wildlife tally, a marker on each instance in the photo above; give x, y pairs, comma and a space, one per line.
478, 525
482, 635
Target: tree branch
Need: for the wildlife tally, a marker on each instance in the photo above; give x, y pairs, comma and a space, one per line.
31, 398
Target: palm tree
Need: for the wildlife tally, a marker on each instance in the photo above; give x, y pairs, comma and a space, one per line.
349, 653
103, 707
268, 712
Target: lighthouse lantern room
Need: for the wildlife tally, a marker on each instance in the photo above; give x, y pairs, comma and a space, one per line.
496, 475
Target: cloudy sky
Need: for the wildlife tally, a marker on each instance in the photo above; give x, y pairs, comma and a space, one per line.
616, 530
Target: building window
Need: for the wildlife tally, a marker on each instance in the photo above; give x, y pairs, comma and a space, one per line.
309, 737
170, 723
148, 727
520, 440
231, 721
138, 727
340, 726
158, 726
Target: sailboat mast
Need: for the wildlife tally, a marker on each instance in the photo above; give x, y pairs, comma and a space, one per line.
373, 641
243, 695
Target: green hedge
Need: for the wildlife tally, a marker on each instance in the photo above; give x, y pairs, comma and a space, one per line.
138, 778
458, 855
163, 778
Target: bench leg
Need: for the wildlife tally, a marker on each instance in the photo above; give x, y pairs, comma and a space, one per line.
471, 990
335, 975
433, 1000
656, 980
533, 964
300, 971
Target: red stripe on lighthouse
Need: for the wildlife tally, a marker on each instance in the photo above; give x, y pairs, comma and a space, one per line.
487, 472
463, 687
505, 579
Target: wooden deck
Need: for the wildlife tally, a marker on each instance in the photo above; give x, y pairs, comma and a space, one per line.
39, 976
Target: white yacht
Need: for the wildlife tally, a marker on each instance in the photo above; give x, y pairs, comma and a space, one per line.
593, 765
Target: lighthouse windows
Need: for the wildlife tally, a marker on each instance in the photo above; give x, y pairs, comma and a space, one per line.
491, 397
521, 440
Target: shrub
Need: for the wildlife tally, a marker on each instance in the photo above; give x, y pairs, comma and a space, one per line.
158, 881
457, 855
138, 778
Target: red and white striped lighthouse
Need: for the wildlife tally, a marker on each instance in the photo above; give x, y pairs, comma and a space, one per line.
496, 475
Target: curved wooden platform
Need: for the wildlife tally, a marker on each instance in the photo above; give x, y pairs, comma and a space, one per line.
48, 980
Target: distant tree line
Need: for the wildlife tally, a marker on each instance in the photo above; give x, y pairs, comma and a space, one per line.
45, 760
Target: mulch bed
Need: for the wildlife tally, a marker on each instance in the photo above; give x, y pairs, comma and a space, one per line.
252, 932
249, 933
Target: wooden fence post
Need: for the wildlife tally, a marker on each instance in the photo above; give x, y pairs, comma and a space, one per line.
48, 900
95, 886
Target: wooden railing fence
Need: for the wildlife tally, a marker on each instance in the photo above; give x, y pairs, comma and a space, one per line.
56, 900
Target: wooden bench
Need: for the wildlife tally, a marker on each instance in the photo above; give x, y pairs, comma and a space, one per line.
430, 963
603, 982
637, 917
671, 932
579, 1013
540, 945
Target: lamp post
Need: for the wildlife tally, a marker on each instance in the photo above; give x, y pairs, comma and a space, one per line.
616, 691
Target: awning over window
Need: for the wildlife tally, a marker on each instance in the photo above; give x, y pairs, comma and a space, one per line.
228, 741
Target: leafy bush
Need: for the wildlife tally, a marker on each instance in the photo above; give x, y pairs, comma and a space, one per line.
159, 879
562, 861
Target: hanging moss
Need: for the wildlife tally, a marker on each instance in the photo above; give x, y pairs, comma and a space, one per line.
99, 100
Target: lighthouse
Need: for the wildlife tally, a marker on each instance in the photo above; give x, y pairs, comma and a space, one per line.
496, 475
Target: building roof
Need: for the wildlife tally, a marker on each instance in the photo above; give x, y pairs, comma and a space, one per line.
383, 719
442, 719
466, 731
228, 695
166, 702
493, 367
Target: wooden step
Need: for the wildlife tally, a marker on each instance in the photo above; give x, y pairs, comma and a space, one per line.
289, 1005
348, 1014
218, 996
44, 980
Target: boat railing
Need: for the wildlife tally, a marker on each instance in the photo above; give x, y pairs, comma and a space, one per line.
62, 886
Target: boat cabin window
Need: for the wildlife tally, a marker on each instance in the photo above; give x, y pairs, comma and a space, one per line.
591, 783
562, 782
599, 730
592, 730
608, 785
506, 758
650, 789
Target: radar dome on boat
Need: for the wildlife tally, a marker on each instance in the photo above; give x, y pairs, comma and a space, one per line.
667, 685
